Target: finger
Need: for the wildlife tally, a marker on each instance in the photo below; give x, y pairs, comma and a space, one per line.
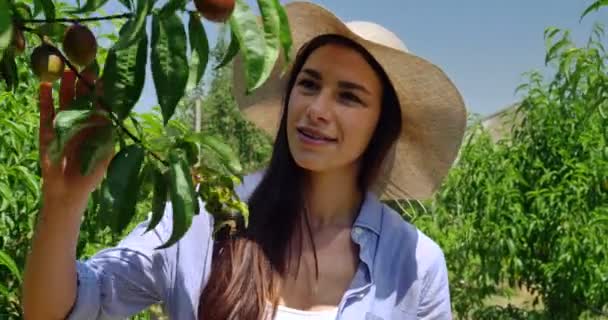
66, 90
47, 114
99, 103
84, 85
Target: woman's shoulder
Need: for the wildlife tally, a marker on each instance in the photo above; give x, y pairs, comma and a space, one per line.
407, 244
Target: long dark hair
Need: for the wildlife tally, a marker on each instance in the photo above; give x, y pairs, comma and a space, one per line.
246, 268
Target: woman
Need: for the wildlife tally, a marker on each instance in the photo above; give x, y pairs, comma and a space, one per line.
360, 118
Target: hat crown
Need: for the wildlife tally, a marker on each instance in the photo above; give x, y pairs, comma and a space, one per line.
376, 33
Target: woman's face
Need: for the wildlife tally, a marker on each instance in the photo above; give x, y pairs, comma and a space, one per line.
333, 109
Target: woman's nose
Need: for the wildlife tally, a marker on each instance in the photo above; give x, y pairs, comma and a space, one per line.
319, 108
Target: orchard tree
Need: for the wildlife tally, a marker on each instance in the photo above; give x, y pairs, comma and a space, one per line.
170, 160
531, 210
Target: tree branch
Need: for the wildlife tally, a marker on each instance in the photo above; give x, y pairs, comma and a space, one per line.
74, 20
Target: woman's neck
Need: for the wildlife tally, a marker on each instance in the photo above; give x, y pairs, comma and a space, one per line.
333, 198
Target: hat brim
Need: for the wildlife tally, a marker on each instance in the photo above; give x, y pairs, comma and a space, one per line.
433, 111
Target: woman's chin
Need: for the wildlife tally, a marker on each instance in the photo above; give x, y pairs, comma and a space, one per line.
311, 164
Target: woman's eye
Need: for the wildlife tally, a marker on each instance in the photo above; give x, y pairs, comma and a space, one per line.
307, 84
350, 97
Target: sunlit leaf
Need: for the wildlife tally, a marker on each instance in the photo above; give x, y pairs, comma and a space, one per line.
69, 123
213, 145
89, 6
169, 62
231, 52
136, 28
200, 49
159, 198
7, 261
124, 75
28, 177
6, 25
594, 7
285, 33
182, 195
244, 24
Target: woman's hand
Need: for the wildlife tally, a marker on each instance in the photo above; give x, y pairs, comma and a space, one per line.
62, 181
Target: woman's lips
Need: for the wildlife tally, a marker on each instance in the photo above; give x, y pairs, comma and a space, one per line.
314, 138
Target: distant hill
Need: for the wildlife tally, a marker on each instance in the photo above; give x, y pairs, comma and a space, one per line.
499, 124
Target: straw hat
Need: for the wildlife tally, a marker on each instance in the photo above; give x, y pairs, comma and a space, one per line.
433, 112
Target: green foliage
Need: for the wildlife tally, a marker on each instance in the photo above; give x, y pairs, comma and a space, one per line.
221, 116
124, 75
531, 210
169, 61
19, 183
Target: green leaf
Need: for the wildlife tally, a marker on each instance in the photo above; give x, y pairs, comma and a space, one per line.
190, 148
8, 262
182, 195
212, 144
23, 11
285, 33
48, 7
90, 6
553, 51
55, 31
96, 148
6, 25
272, 30
69, 123
120, 187
231, 52
28, 178
127, 3
124, 75
7, 197
594, 7
172, 6
159, 198
134, 29
550, 32
200, 50
244, 24
169, 62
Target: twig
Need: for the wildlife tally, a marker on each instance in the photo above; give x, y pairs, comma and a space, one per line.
116, 16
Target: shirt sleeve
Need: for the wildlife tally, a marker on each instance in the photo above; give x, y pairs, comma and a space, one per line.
435, 295
121, 281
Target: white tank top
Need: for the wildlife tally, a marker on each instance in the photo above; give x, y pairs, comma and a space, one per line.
286, 313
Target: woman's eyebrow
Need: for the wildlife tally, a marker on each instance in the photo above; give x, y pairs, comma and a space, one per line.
352, 86
342, 84
313, 73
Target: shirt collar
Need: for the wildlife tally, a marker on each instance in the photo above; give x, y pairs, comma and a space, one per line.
369, 216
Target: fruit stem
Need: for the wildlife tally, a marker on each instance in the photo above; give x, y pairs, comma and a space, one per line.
74, 20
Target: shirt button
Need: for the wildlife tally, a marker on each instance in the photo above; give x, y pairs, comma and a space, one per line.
358, 231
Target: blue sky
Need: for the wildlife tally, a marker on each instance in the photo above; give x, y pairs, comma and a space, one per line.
483, 46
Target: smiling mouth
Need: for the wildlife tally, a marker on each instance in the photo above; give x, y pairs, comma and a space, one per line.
314, 136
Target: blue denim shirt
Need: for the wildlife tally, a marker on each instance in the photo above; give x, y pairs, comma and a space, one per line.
401, 274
